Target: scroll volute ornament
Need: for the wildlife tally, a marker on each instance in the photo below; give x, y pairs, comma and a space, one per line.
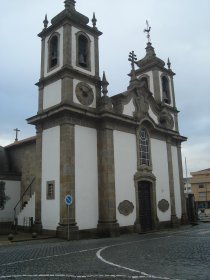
166, 119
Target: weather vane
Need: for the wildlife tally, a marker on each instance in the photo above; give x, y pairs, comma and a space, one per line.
147, 30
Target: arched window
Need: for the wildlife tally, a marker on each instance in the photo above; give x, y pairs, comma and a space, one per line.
83, 51
144, 147
53, 51
165, 89
144, 82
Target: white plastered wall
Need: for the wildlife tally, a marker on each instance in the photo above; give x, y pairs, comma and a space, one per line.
177, 193
160, 170
75, 82
46, 56
86, 177
27, 212
129, 108
125, 160
51, 172
74, 53
152, 115
12, 191
52, 94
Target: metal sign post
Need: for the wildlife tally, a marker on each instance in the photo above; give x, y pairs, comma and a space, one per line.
68, 201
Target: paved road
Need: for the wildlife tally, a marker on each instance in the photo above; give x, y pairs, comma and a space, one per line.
179, 254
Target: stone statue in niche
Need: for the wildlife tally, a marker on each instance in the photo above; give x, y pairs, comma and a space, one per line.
141, 104
3, 196
126, 207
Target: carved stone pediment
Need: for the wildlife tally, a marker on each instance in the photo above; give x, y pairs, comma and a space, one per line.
144, 173
165, 119
126, 207
140, 100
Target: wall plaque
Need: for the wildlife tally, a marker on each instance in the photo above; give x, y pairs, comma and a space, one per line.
163, 205
125, 207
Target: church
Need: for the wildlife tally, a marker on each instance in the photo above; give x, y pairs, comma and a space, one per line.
99, 164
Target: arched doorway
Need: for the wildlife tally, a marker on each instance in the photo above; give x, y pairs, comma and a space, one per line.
145, 205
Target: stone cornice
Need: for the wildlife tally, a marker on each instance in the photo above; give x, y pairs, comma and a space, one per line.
153, 66
67, 71
65, 18
107, 118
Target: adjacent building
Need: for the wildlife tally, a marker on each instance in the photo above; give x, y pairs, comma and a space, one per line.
200, 185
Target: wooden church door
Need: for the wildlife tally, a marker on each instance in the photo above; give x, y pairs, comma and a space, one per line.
145, 213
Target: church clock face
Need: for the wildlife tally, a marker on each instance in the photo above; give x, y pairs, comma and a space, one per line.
84, 94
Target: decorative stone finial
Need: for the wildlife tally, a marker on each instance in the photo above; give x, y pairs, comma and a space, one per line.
169, 64
104, 84
69, 4
45, 21
94, 20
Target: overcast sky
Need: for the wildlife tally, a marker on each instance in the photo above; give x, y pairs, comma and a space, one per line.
180, 30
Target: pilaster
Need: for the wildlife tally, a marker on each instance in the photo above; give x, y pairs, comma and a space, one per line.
96, 56
37, 227
174, 219
40, 98
156, 82
67, 89
42, 58
67, 182
67, 44
184, 218
107, 224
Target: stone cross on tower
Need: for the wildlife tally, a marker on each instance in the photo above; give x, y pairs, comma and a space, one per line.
132, 58
16, 133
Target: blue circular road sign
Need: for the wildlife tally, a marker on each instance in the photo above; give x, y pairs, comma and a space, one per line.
68, 199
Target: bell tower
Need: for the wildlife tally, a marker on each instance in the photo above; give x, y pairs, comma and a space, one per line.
69, 87
69, 60
158, 79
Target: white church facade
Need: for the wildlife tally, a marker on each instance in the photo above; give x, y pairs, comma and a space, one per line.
118, 157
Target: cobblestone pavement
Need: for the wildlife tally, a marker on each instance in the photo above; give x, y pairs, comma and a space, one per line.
175, 254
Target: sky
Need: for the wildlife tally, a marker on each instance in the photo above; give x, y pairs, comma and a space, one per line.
180, 31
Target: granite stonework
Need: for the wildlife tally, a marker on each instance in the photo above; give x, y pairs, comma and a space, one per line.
22, 159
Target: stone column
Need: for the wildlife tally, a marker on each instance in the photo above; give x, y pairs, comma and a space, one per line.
184, 218
37, 227
67, 181
174, 219
107, 224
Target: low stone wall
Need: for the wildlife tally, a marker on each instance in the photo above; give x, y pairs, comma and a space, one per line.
5, 227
